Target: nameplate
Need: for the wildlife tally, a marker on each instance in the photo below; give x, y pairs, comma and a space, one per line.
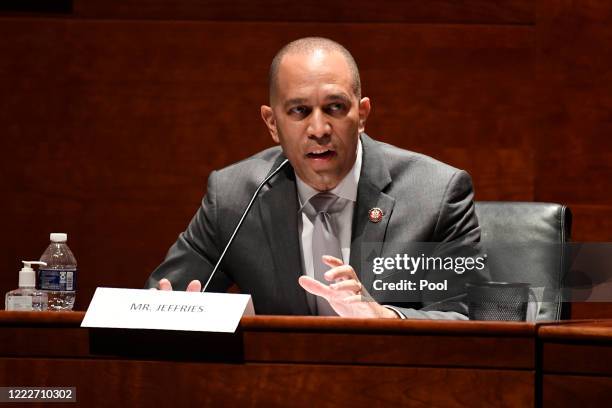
167, 310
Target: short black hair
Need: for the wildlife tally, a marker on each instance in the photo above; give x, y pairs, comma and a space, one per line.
309, 45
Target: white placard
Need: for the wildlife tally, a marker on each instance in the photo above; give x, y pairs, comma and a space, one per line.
167, 310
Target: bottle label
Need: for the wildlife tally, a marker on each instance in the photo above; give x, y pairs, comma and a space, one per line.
57, 279
19, 303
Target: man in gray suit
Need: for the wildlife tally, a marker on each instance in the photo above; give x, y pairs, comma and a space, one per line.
377, 197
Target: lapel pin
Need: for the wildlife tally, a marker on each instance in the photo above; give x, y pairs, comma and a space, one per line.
375, 215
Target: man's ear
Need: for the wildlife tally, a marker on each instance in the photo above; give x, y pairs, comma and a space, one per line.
267, 114
364, 110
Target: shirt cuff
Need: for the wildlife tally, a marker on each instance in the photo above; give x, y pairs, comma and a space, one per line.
396, 310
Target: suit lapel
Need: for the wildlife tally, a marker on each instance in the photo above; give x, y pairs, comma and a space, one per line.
367, 237
278, 208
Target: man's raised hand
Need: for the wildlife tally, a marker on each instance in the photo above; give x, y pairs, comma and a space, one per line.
345, 294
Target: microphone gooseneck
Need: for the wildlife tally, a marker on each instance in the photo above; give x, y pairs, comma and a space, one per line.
244, 214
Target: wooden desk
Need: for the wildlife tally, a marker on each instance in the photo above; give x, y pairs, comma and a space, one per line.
275, 361
577, 364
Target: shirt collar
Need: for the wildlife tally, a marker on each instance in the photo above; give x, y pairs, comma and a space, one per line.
347, 188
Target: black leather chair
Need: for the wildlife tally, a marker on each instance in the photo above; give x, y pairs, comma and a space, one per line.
522, 241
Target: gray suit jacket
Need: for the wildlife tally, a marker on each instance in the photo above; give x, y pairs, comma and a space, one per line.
422, 200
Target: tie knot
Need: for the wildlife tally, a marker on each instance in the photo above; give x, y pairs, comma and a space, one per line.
322, 202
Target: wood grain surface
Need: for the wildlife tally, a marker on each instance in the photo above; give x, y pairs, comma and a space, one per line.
108, 383
576, 391
274, 361
383, 11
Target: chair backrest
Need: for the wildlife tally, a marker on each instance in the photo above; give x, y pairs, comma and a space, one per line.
523, 242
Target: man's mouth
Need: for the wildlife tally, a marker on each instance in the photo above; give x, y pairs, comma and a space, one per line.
322, 154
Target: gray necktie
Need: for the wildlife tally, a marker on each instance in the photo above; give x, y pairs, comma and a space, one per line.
324, 242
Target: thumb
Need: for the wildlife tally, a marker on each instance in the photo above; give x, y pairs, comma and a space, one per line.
194, 286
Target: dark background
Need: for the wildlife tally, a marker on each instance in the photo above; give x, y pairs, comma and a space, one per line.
113, 112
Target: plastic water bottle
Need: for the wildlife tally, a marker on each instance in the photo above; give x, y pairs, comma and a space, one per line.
58, 278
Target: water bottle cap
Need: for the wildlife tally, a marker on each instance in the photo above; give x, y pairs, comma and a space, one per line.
58, 237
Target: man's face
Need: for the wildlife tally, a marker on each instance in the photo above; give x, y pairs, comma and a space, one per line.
316, 116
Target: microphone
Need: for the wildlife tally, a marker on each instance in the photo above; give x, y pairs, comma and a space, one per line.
244, 214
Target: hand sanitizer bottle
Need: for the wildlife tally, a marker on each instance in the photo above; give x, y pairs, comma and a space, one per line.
26, 297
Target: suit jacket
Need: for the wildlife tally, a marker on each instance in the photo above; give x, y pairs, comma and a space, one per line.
421, 198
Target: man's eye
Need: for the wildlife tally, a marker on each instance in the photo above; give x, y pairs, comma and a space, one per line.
299, 111
336, 107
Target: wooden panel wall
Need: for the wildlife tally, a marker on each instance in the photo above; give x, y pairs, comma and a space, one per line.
112, 113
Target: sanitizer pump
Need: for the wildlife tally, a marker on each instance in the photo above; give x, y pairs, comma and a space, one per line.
27, 297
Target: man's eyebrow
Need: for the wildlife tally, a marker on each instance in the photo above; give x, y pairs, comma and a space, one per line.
294, 101
338, 97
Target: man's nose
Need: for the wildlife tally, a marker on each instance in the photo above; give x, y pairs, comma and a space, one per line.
318, 125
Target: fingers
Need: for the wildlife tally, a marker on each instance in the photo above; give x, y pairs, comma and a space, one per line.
345, 294
344, 290
349, 284
317, 288
339, 273
194, 286
164, 284
332, 261
313, 286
